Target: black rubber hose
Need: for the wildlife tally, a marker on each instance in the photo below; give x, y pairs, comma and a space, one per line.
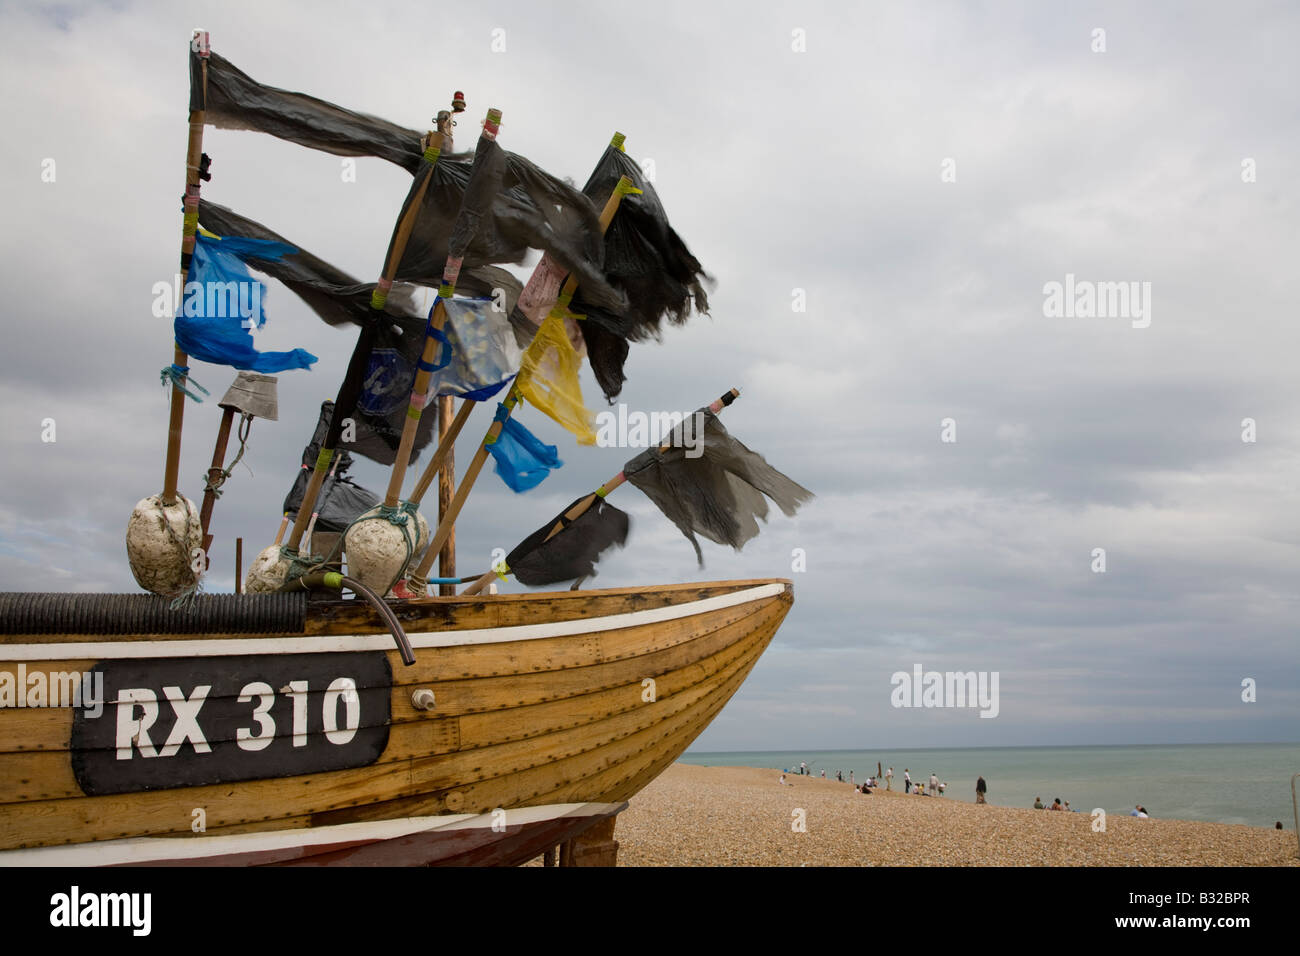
319, 580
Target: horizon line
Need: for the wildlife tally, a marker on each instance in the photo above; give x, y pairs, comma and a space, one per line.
834, 750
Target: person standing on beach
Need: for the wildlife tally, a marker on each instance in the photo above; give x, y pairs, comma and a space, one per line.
980, 788
934, 784
850, 776
907, 781
889, 779
803, 768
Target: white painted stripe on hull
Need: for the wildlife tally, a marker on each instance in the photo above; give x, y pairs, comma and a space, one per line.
150, 849
116, 650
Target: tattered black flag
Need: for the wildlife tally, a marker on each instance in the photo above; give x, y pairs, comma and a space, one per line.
708, 483
530, 207
645, 260
237, 101
566, 549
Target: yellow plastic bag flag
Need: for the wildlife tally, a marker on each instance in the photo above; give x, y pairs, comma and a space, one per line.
548, 378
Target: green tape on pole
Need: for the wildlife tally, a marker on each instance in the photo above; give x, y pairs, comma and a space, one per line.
333, 579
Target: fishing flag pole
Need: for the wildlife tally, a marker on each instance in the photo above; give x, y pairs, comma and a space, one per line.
270, 569
159, 552
199, 44
378, 540
447, 492
432, 340
416, 585
565, 519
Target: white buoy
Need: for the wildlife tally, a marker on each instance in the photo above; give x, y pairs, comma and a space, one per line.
377, 549
267, 572
160, 543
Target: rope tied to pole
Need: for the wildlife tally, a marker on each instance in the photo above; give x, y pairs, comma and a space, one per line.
178, 376
400, 515
213, 482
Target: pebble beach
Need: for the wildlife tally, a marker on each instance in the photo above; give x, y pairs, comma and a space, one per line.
741, 816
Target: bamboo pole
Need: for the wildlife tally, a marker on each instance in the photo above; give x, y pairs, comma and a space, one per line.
239, 565
311, 525
189, 225
446, 491
448, 521
350, 389
446, 440
580, 507
420, 389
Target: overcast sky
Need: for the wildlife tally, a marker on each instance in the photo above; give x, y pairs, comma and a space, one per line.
921, 172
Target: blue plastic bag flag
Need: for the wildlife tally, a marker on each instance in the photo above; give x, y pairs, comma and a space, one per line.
522, 460
222, 304
484, 355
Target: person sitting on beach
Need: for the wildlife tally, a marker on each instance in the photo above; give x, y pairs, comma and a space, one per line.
1038, 803
942, 787
1056, 804
783, 782
1067, 806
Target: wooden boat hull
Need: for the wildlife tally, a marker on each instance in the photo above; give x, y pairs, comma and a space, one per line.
534, 702
448, 840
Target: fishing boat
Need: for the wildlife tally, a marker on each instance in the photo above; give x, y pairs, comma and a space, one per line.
294, 727
291, 730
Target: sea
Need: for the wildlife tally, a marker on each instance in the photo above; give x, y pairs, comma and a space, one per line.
1221, 783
